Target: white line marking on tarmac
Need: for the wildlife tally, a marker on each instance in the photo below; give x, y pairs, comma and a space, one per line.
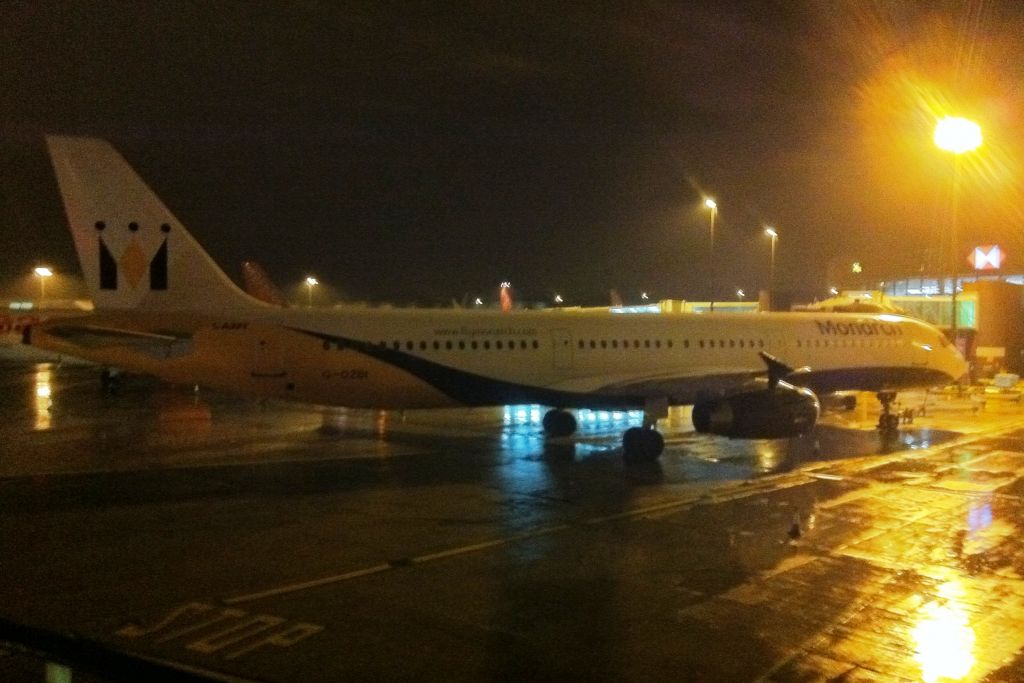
462, 550
291, 588
394, 564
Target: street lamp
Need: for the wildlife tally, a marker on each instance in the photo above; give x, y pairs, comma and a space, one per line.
740, 294
713, 206
311, 282
770, 231
43, 272
956, 135
710, 204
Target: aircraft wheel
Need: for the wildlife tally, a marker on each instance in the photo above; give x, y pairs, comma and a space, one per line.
642, 445
559, 423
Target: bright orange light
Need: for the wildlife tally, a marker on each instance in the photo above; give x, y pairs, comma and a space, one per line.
957, 135
944, 637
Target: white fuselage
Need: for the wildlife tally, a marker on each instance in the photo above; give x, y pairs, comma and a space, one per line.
415, 358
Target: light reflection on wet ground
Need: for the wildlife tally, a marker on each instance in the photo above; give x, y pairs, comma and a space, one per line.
826, 557
174, 422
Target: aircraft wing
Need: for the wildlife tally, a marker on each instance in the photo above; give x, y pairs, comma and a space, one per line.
680, 388
155, 344
705, 381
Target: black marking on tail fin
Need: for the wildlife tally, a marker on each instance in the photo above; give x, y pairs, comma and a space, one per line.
108, 268
158, 269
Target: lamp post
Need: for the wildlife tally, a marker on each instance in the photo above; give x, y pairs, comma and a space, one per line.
712, 206
770, 231
43, 272
311, 282
957, 136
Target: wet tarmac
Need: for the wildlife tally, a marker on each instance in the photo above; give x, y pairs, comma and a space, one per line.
245, 539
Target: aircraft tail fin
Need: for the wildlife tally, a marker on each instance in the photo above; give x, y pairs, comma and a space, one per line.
134, 253
259, 285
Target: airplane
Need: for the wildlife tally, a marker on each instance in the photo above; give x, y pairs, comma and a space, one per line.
13, 328
163, 307
14, 324
259, 285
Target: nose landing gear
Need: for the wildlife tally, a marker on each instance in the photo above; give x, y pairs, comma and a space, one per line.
888, 422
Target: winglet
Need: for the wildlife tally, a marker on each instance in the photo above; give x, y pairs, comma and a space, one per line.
777, 370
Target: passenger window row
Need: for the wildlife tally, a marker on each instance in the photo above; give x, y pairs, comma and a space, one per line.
448, 345
625, 344
847, 342
732, 343
524, 344
668, 344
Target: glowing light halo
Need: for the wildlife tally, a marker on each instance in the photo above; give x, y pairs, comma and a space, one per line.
957, 135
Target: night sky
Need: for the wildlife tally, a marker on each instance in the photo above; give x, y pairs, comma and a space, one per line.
425, 152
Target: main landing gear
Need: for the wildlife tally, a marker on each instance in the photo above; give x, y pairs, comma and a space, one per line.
639, 444
645, 443
559, 423
642, 444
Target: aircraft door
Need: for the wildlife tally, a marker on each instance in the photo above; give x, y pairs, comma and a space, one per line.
561, 342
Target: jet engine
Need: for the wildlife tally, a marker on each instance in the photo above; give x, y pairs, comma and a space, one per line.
759, 411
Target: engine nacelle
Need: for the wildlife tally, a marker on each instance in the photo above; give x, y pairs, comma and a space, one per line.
759, 412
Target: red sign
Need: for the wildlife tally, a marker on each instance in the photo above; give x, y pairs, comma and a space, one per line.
988, 257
